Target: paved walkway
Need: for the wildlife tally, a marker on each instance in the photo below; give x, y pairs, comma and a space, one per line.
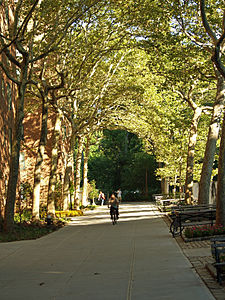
93, 260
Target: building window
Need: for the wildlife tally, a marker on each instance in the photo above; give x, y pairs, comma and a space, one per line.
7, 12
18, 73
4, 135
64, 132
9, 96
22, 161
3, 88
22, 133
10, 140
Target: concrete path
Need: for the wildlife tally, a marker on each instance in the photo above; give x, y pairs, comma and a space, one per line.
93, 260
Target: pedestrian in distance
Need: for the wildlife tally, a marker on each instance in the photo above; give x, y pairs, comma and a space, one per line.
119, 195
101, 198
113, 204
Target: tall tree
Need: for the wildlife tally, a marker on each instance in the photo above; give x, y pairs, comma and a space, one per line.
44, 88
35, 31
85, 173
217, 35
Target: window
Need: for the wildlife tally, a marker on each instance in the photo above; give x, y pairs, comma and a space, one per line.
22, 161
22, 133
10, 140
7, 12
4, 135
9, 96
64, 132
3, 88
18, 73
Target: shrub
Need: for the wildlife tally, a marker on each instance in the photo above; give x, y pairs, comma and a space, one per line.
28, 231
24, 216
203, 230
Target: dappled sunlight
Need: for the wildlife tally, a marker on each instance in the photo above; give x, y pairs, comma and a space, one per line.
128, 212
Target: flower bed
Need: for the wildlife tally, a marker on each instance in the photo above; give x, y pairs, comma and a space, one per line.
203, 231
68, 213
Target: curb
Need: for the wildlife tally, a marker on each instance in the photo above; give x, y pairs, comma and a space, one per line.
199, 239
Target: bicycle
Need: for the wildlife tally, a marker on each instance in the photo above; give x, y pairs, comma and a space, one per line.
114, 216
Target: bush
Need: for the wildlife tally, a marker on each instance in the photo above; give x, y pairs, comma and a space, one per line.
136, 197
24, 216
203, 230
28, 231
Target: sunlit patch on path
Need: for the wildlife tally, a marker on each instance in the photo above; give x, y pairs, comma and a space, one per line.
128, 212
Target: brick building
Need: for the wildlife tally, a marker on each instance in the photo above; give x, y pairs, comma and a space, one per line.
32, 131
32, 124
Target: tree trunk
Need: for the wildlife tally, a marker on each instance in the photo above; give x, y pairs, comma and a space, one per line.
39, 159
54, 163
66, 183
68, 175
164, 186
180, 180
78, 173
175, 186
220, 196
14, 159
190, 156
85, 173
204, 185
146, 182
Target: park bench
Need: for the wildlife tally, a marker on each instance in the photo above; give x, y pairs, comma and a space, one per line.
218, 252
168, 204
197, 215
158, 197
196, 207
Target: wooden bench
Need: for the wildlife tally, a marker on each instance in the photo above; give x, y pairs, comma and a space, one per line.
191, 217
218, 252
168, 204
157, 198
196, 207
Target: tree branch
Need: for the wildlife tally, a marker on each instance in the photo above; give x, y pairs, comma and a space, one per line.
205, 22
216, 57
60, 85
9, 75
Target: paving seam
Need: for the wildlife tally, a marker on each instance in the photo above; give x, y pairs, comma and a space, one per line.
131, 273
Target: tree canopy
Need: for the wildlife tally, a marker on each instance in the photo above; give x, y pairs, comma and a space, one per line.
121, 66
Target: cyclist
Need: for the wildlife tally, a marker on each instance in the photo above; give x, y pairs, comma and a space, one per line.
114, 206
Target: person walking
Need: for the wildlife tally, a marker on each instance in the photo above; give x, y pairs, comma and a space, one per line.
101, 198
119, 195
113, 204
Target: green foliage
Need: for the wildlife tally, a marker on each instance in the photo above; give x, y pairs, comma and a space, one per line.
137, 196
120, 161
43, 212
24, 216
93, 194
29, 231
58, 195
26, 190
204, 230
